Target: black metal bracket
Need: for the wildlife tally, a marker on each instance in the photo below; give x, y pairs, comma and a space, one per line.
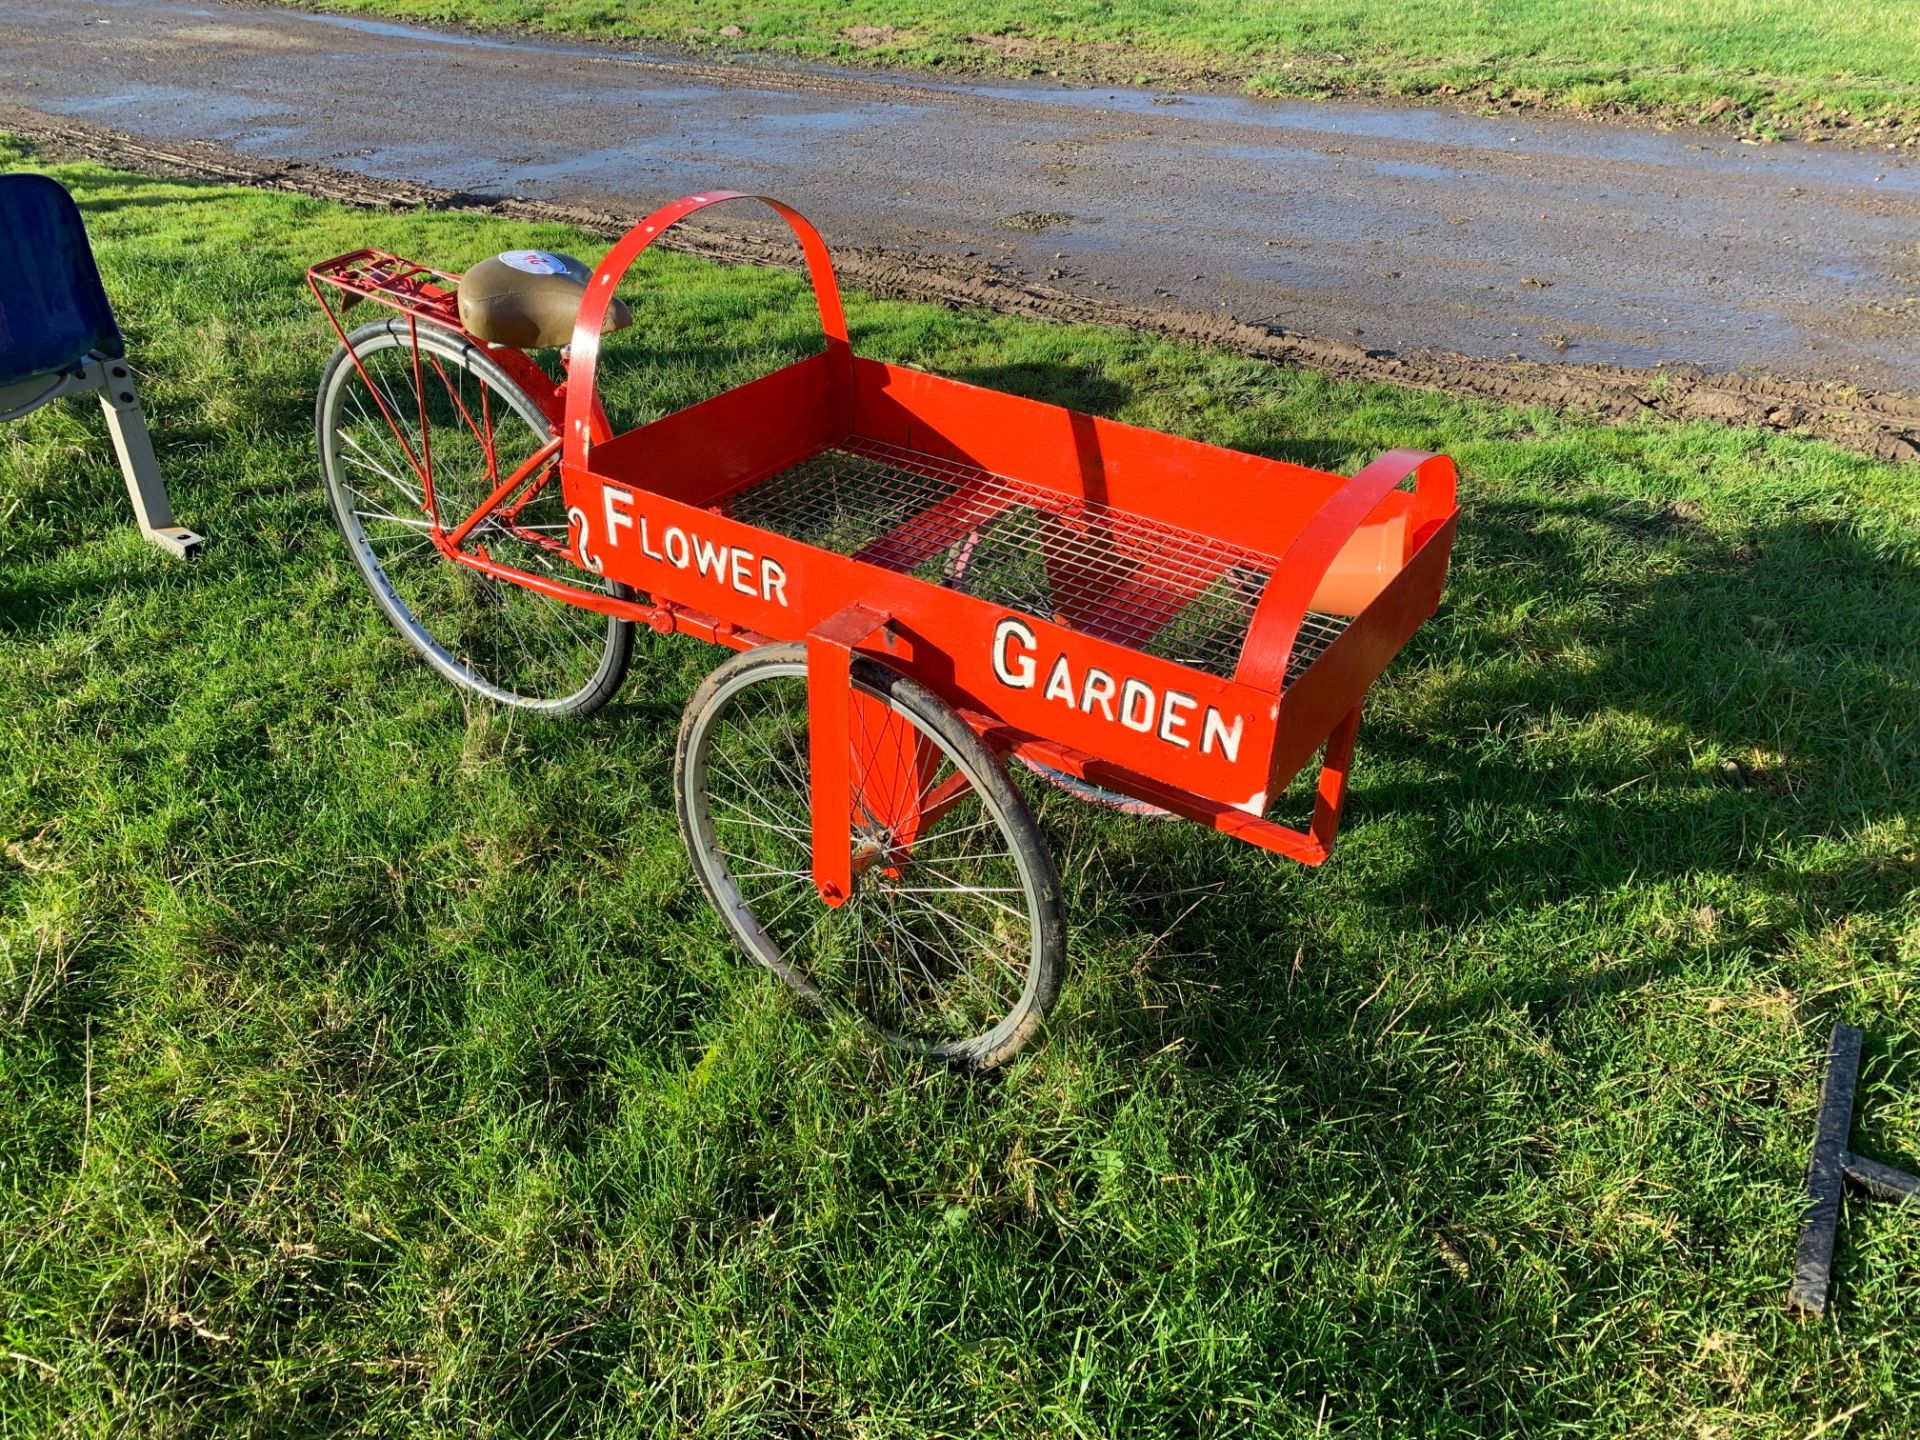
1832, 1165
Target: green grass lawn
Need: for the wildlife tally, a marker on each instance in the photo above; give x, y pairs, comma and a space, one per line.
372, 1067
1764, 66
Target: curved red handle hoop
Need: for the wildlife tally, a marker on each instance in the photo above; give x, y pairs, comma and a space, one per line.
1277, 619
584, 353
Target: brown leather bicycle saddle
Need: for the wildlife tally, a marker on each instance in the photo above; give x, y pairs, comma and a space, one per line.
528, 299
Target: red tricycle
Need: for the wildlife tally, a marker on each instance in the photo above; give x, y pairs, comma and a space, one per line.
924, 580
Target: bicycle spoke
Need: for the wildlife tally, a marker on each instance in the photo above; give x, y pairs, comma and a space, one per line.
937, 952
507, 641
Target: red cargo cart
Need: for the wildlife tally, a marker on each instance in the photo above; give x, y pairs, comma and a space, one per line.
924, 579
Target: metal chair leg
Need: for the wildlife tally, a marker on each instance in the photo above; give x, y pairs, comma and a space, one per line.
1831, 1166
127, 423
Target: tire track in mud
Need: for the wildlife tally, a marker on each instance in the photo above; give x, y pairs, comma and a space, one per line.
1884, 425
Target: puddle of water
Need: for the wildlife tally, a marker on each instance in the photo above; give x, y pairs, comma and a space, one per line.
1288, 155
166, 103
273, 140
1298, 271
598, 171
391, 31
1413, 171
431, 163
1431, 127
632, 97
1076, 243
1562, 138
787, 137
1419, 126
1296, 155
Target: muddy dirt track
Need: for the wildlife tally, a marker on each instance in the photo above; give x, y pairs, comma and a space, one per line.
1532, 261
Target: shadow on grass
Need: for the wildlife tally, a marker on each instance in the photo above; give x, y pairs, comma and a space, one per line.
1760, 672
1080, 389
30, 610
1755, 681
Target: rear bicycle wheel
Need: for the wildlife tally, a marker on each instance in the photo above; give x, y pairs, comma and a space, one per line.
492, 637
953, 942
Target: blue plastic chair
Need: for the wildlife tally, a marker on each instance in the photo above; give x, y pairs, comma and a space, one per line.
58, 337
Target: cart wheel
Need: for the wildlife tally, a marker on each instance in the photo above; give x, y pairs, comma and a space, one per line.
952, 943
511, 644
1096, 794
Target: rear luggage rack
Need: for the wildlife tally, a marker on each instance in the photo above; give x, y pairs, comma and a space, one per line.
1116, 576
378, 275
